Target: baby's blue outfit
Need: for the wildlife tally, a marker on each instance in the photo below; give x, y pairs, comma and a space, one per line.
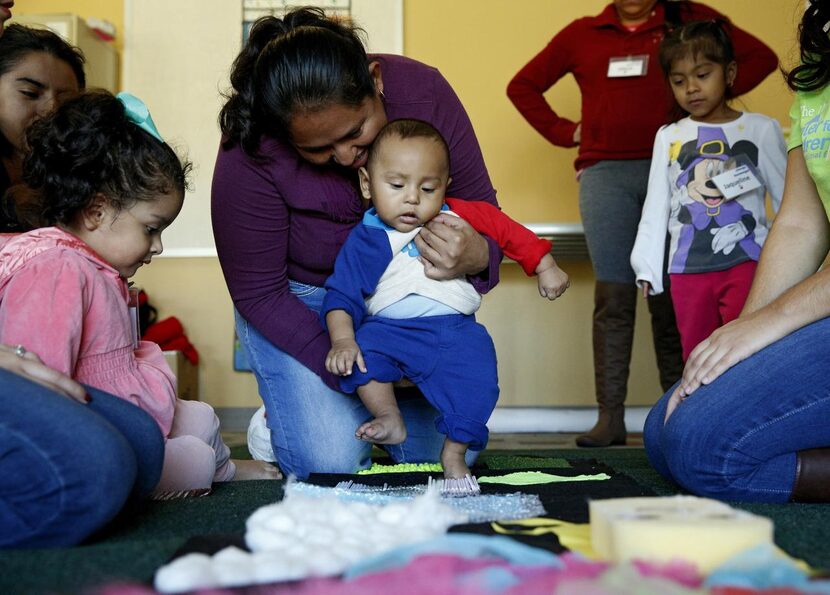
439, 347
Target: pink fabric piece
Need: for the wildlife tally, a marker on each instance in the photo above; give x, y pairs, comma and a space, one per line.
484, 576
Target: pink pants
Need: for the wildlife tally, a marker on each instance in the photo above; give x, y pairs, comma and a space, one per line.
704, 302
194, 454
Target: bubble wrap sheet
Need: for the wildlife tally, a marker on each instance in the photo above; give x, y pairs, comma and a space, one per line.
481, 508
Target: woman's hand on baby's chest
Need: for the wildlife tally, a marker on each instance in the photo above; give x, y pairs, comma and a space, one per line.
451, 248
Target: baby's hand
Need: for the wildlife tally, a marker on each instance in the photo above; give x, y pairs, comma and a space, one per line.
552, 280
343, 355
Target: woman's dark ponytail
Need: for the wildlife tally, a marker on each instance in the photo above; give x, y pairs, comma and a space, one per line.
303, 61
236, 118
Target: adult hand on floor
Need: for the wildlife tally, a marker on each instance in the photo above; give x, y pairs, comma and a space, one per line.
24, 363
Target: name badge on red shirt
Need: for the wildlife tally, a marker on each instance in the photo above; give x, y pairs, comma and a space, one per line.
628, 66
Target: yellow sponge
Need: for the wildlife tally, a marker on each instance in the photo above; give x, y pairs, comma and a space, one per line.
703, 531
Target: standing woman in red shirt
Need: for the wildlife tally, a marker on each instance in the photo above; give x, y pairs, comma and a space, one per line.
613, 57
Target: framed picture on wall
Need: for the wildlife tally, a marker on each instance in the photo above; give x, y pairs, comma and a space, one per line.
382, 21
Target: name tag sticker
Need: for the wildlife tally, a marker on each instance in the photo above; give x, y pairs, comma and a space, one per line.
132, 303
628, 66
734, 182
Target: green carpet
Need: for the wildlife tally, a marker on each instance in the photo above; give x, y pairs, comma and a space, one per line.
138, 543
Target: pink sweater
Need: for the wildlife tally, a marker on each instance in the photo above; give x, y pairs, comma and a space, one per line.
62, 301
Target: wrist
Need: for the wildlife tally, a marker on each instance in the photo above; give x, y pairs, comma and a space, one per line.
546, 263
482, 261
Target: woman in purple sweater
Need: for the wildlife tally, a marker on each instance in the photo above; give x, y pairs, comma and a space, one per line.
306, 104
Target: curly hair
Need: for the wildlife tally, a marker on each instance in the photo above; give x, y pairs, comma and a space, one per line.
88, 146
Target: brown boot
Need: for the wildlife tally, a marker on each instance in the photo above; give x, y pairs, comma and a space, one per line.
666, 338
608, 431
812, 476
615, 306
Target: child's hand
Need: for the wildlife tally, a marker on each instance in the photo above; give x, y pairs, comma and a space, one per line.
646, 289
552, 280
343, 355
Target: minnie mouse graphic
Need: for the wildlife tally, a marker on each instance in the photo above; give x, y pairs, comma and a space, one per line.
715, 228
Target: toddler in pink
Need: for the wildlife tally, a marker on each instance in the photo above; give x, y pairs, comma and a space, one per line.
101, 176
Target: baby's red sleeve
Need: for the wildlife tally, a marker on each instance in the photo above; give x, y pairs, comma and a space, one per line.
517, 241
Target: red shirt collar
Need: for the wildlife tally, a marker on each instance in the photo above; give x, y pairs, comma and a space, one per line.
609, 18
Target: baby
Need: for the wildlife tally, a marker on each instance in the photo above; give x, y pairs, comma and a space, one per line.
388, 321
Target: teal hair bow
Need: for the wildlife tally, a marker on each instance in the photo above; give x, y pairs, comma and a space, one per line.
139, 114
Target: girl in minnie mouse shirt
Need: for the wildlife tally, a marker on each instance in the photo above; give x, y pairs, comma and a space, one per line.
710, 173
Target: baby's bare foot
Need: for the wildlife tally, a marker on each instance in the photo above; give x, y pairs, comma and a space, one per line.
452, 460
246, 470
388, 428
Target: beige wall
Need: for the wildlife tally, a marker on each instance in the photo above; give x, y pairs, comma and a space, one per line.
544, 348
193, 290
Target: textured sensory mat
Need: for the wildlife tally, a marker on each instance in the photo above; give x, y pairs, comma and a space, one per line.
137, 544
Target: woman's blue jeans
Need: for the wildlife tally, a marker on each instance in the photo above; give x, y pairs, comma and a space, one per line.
67, 468
312, 426
737, 438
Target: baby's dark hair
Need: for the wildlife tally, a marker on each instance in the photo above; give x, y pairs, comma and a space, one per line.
709, 39
89, 146
302, 62
409, 128
19, 41
814, 71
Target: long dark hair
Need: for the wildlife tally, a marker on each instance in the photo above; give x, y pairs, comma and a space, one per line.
89, 146
19, 41
304, 61
813, 72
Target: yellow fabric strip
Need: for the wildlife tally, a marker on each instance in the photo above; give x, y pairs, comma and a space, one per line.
526, 478
574, 536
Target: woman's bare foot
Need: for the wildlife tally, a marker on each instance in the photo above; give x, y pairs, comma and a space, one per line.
246, 470
388, 428
452, 459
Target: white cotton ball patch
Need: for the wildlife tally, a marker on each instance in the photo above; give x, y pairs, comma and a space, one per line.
187, 573
304, 536
233, 567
